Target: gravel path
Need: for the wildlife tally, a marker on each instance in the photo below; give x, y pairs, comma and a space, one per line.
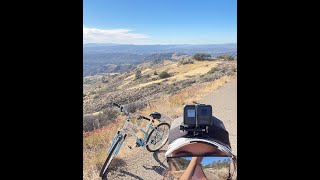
141, 164
144, 165
224, 107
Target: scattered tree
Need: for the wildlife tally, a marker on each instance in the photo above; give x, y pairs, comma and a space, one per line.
138, 74
226, 57
104, 79
201, 56
164, 74
186, 61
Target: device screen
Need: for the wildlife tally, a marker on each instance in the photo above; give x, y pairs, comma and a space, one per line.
191, 113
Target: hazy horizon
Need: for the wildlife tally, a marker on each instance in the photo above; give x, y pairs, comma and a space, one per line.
164, 44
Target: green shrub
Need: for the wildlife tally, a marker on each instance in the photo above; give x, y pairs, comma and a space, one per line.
201, 56
104, 79
164, 74
226, 57
107, 116
138, 74
172, 89
211, 77
92, 122
185, 61
219, 71
147, 76
133, 107
223, 68
187, 83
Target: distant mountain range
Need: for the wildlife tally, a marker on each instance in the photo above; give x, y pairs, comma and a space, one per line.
97, 57
149, 49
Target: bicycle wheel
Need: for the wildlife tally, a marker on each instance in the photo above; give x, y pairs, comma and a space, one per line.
103, 172
158, 140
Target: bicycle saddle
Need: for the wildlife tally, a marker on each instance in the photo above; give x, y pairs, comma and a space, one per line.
155, 115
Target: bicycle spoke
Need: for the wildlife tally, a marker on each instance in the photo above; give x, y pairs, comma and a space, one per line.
158, 137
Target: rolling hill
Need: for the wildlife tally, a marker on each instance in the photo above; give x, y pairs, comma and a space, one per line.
101, 58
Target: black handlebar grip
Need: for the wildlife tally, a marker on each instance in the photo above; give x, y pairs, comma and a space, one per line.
115, 104
145, 118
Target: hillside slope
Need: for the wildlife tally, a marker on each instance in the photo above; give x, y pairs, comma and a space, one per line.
142, 164
187, 84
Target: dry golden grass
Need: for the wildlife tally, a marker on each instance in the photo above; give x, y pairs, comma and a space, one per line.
171, 106
198, 68
146, 84
96, 143
95, 147
143, 72
130, 78
181, 72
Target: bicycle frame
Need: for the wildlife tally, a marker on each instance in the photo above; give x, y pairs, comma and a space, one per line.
150, 135
126, 130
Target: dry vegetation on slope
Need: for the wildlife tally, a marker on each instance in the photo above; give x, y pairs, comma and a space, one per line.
166, 96
96, 143
125, 88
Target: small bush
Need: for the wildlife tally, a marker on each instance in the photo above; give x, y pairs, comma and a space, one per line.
211, 77
186, 61
138, 74
187, 83
164, 74
110, 113
226, 57
219, 71
147, 76
92, 122
223, 68
133, 107
172, 89
104, 79
201, 56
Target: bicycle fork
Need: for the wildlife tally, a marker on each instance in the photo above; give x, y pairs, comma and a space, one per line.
118, 148
114, 140
116, 137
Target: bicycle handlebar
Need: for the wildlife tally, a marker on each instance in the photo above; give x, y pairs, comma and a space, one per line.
143, 117
115, 104
122, 109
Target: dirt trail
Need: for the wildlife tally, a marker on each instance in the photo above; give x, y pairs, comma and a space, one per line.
224, 107
144, 165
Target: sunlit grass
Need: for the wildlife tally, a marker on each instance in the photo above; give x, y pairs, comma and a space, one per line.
96, 143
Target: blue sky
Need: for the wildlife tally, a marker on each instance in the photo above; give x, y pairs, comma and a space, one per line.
160, 21
210, 160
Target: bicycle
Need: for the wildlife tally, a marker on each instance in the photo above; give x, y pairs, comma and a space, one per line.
153, 141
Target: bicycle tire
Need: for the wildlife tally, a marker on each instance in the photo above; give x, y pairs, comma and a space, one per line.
163, 143
103, 172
